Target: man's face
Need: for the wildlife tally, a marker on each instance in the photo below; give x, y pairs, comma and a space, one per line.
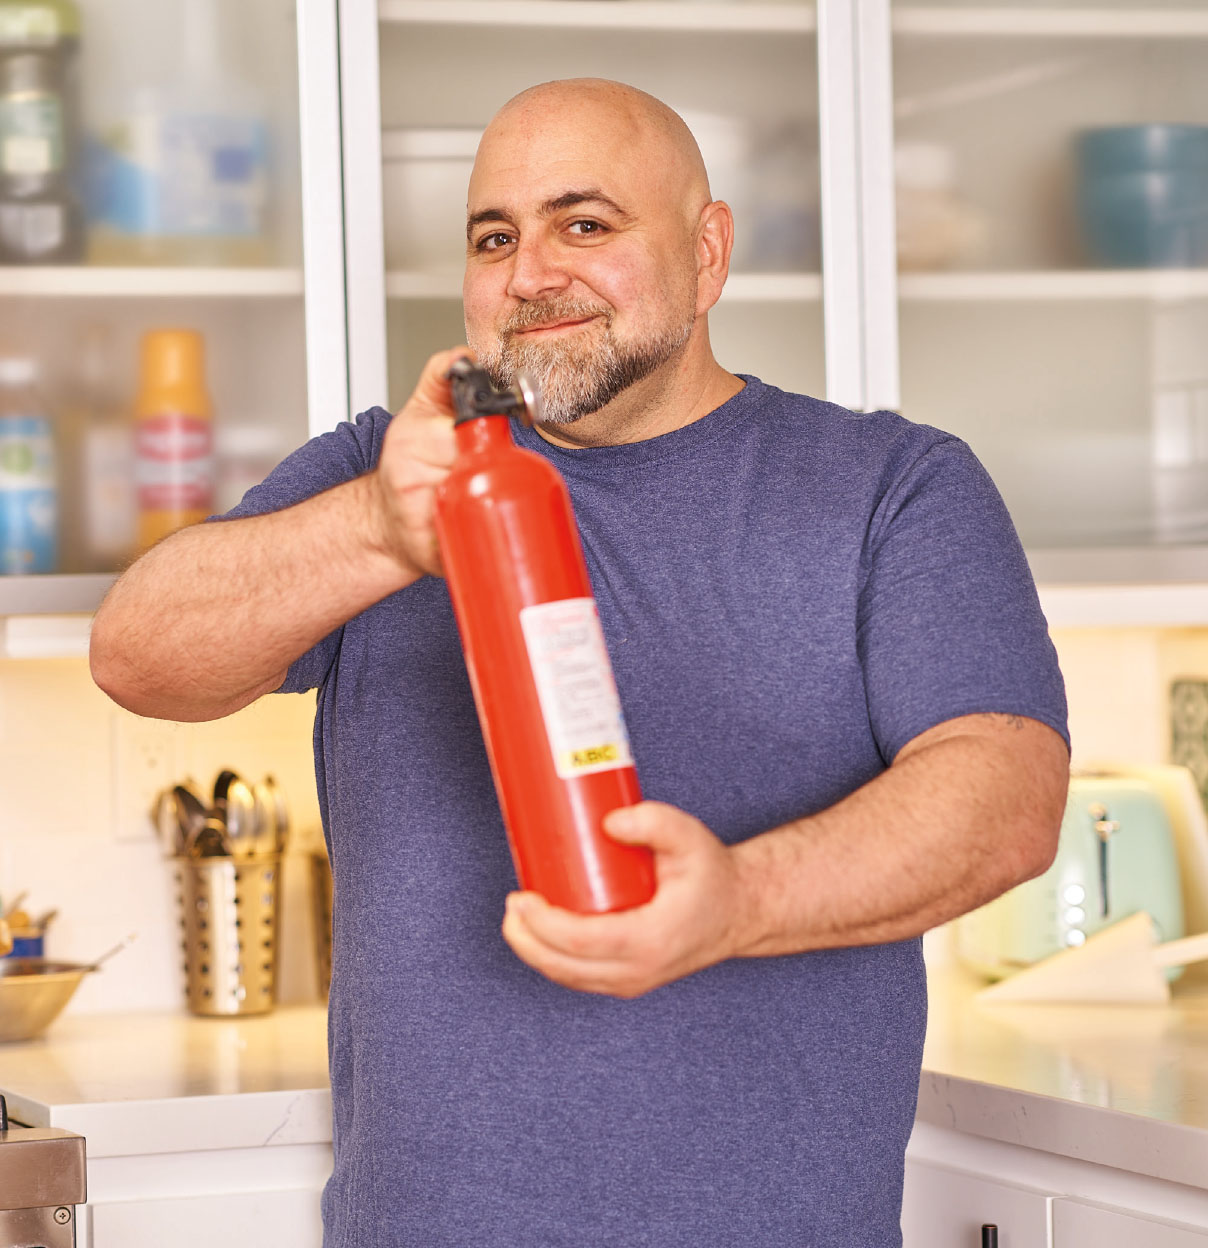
580, 263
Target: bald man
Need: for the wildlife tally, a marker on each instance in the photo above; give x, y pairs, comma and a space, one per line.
839, 688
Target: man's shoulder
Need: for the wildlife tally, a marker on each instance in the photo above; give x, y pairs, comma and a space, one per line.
822, 428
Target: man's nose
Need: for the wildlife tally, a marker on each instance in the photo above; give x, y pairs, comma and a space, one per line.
536, 270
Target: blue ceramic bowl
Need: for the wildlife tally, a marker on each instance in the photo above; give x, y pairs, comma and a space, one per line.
1131, 149
1146, 220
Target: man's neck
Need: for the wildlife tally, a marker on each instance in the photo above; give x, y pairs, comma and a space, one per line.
668, 399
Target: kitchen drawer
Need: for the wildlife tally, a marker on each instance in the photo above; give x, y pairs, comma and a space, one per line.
1082, 1224
232, 1220
943, 1207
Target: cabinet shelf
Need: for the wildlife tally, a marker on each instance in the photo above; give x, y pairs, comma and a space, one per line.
1139, 22
741, 287
61, 594
1159, 285
1156, 285
1136, 23
604, 14
1125, 606
153, 283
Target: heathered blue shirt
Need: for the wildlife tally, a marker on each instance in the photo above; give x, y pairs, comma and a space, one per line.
790, 592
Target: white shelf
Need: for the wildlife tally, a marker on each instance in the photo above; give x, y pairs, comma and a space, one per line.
411, 285
157, 283
1134, 23
741, 287
1159, 285
1156, 285
605, 15
772, 288
1125, 606
1140, 22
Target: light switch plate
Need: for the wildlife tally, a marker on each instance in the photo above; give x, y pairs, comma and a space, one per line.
144, 764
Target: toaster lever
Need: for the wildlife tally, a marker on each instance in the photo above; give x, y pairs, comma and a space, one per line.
1104, 829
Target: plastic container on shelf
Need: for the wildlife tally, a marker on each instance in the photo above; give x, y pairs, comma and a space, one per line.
935, 227
173, 435
41, 221
177, 167
785, 226
1142, 195
425, 173
726, 148
97, 445
245, 454
28, 472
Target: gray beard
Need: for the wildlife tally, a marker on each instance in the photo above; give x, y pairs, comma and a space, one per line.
576, 378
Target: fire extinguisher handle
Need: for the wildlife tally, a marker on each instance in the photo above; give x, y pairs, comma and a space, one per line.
474, 395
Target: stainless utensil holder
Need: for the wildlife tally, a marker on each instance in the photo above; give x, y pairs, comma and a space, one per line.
321, 897
230, 926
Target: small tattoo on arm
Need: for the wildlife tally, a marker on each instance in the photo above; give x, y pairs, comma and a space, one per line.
1011, 721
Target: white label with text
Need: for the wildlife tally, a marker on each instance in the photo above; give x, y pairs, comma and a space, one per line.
575, 686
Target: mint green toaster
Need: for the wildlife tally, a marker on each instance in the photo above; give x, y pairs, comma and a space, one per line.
1116, 855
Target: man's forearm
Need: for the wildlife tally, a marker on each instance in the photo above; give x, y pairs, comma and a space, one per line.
246, 598
947, 828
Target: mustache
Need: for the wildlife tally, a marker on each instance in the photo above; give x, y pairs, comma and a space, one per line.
548, 311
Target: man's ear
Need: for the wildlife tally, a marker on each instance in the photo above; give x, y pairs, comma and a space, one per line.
714, 242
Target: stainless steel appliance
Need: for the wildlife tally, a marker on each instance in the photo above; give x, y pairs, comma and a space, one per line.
42, 1179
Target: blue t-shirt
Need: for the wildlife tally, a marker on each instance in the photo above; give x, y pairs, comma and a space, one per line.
790, 592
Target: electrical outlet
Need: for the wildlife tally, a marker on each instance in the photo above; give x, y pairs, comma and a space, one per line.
144, 764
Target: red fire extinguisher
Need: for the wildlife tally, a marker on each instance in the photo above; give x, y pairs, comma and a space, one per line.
542, 681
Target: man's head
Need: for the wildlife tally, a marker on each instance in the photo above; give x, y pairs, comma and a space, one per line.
589, 212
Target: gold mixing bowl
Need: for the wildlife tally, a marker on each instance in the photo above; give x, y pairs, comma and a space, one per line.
33, 991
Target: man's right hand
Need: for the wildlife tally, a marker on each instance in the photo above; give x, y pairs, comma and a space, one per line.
417, 453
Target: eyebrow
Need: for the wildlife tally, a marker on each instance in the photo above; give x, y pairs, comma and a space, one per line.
559, 203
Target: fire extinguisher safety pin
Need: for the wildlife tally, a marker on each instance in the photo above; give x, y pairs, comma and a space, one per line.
474, 395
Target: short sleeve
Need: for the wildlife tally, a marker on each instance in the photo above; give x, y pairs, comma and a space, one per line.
949, 621
331, 459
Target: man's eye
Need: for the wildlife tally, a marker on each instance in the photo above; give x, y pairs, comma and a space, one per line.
492, 242
586, 228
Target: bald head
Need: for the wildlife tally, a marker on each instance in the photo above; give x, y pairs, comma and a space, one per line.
615, 123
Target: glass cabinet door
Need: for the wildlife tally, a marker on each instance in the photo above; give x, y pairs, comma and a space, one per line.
744, 78
152, 329
1051, 170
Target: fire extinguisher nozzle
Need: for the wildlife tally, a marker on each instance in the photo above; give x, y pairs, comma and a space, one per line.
474, 395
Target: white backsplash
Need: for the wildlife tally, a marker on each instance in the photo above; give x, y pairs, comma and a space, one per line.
67, 835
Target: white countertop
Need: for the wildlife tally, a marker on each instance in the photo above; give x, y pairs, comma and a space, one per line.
1122, 1086
160, 1083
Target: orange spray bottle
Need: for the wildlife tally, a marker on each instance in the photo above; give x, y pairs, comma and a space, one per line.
173, 435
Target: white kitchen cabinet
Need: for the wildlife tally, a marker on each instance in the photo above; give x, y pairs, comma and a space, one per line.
242, 1220
1041, 1189
270, 309
1081, 386
1081, 1224
743, 75
946, 1207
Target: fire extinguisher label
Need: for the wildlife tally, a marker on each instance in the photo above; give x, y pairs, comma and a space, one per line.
575, 685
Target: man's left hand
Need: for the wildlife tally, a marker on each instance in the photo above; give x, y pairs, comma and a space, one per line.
696, 917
